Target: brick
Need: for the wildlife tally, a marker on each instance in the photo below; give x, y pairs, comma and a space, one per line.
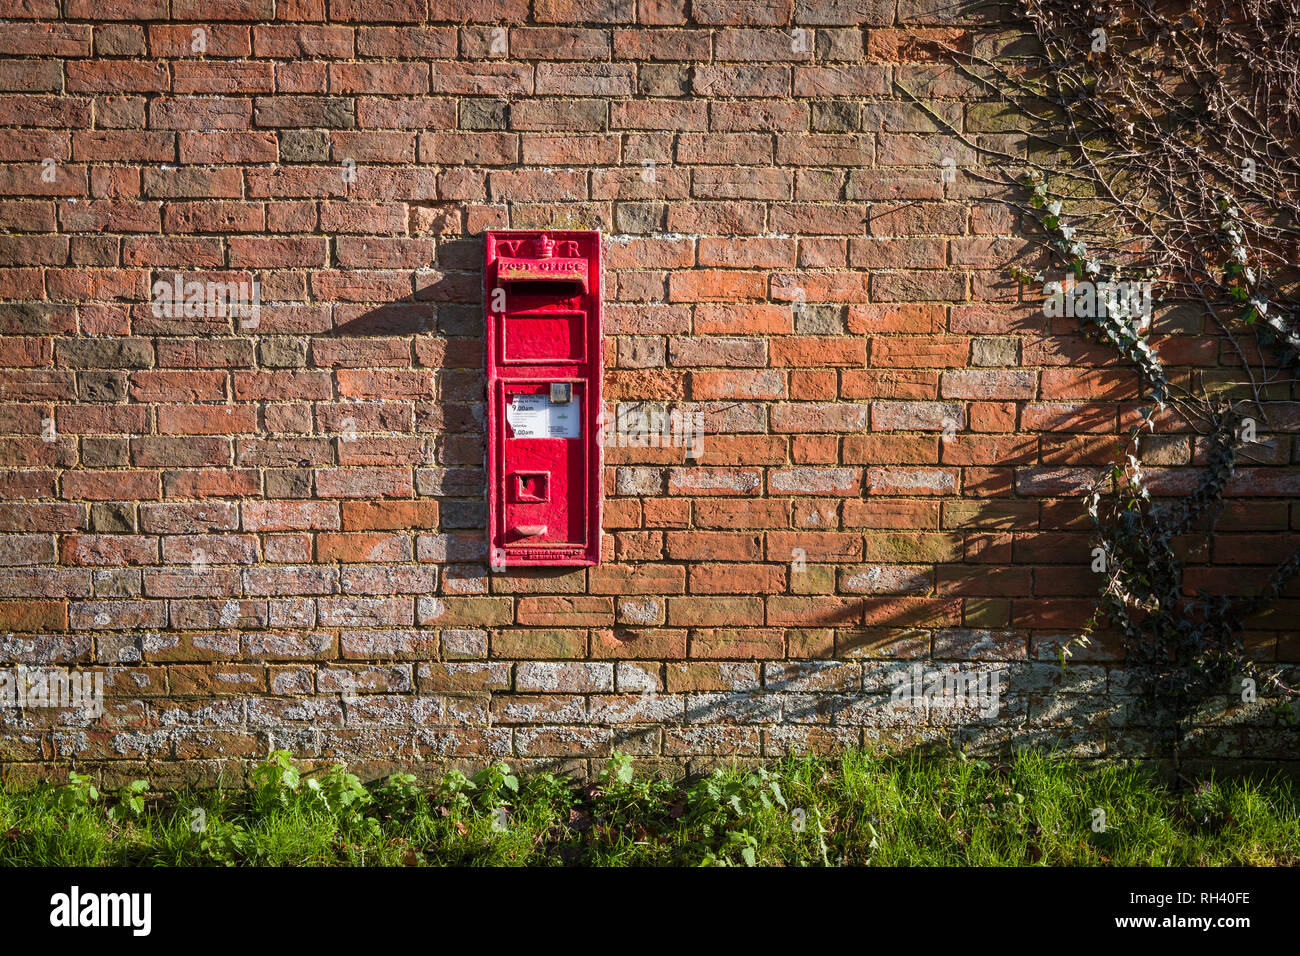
913, 481
469, 148
912, 44
892, 449
46, 39
844, 12
801, 351
385, 11
226, 77
585, 79
927, 352
651, 45
813, 611
742, 12
808, 417
482, 79
568, 11
308, 41
715, 611
116, 76
547, 677
564, 611
714, 285
760, 384
27, 616
988, 384
918, 416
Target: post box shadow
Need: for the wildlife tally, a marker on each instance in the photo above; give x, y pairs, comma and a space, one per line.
446, 302
396, 318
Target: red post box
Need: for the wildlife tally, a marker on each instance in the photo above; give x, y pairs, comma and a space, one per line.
542, 293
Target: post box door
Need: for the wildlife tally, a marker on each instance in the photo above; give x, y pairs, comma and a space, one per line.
543, 468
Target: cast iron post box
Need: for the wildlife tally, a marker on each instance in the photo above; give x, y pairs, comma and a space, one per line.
544, 358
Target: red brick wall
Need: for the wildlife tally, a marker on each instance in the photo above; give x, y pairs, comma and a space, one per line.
271, 533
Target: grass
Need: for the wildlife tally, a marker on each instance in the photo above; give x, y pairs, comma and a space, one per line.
857, 809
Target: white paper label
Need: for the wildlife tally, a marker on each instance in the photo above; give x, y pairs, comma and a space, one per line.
536, 416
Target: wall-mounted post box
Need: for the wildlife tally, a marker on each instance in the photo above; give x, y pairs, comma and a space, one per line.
542, 293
